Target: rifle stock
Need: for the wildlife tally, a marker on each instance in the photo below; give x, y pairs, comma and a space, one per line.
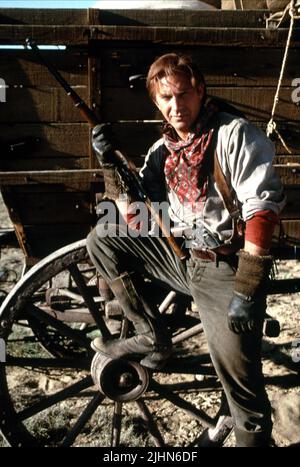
128, 167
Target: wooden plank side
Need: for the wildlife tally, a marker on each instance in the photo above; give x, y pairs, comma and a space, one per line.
292, 208
136, 138
55, 188
22, 68
255, 102
134, 17
42, 104
235, 67
54, 208
67, 35
66, 146
172, 18
70, 178
16, 34
198, 35
59, 140
31, 164
288, 233
46, 16
289, 174
46, 239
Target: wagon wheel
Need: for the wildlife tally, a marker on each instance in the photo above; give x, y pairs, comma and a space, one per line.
86, 399
60, 295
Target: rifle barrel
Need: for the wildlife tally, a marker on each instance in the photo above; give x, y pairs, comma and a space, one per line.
78, 102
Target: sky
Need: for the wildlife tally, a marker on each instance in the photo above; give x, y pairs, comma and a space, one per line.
46, 3
82, 3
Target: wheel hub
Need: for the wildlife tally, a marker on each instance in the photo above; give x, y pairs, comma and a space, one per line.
118, 379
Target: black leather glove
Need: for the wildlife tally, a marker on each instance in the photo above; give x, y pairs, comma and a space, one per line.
244, 314
103, 144
246, 309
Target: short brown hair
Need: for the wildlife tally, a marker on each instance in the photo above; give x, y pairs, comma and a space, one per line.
171, 64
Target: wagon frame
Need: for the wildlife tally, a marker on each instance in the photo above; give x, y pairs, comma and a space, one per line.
50, 181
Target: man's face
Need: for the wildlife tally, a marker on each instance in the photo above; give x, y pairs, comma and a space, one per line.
179, 102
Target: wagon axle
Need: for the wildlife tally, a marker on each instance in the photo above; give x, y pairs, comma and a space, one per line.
118, 379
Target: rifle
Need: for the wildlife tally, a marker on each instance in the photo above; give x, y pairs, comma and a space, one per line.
127, 168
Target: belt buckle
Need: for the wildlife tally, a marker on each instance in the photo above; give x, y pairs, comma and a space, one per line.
205, 254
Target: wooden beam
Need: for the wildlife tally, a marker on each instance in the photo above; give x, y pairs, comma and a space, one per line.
54, 208
292, 207
50, 176
175, 18
45, 16
21, 67
235, 66
133, 17
41, 104
255, 102
57, 236
56, 140
289, 174
288, 233
66, 35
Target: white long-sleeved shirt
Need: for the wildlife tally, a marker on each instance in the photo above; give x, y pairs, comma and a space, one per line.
246, 156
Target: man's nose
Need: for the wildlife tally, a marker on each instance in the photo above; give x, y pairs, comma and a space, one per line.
176, 103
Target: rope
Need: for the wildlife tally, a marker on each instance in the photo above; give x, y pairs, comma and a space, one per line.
272, 126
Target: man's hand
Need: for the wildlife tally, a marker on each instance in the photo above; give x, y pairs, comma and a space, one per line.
246, 310
102, 142
243, 314
104, 146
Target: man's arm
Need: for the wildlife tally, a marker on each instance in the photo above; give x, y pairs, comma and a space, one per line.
260, 192
259, 232
254, 249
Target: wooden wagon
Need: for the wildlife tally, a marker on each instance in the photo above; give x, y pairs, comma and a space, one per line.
50, 180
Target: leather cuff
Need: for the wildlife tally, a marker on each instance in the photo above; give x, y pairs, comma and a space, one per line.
114, 185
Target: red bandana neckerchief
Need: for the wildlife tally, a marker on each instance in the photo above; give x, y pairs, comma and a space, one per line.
184, 164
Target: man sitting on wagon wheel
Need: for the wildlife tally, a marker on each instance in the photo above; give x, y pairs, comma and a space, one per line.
229, 239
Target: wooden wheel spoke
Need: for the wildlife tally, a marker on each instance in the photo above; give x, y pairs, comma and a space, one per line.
88, 299
65, 330
116, 424
186, 406
53, 399
187, 334
82, 420
152, 425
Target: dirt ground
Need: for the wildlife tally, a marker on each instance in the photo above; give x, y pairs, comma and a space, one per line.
281, 356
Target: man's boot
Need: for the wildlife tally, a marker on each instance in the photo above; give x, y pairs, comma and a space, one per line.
252, 439
151, 340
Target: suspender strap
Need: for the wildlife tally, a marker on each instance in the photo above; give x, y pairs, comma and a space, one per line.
225, 191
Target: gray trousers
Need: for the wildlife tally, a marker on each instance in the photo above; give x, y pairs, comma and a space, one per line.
236, 358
